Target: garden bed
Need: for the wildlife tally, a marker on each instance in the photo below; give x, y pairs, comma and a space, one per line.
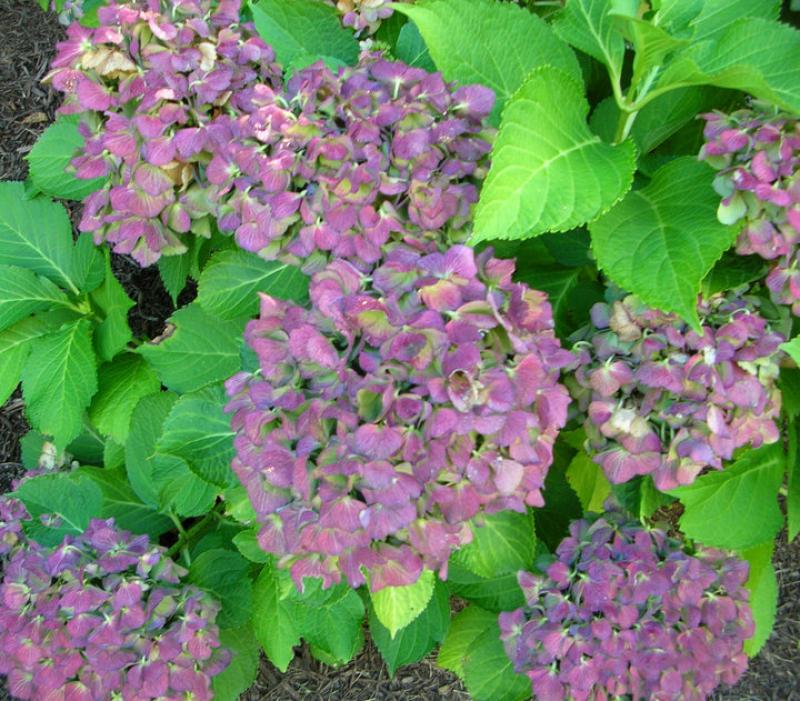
26, 108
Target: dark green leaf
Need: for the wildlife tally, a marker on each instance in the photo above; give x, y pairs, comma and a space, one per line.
411, 48
22, 293
224, 573
496, 594
467, 626
273, 622
242, 671
503, 542
488, 673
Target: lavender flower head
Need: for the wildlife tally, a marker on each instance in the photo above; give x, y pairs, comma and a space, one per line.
398, 408
625, 611
341, 163
102, 616
151, 81
664, 400
364, 16
757, 154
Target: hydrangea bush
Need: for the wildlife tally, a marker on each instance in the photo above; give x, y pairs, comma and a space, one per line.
399, 217
626, 611
664, 400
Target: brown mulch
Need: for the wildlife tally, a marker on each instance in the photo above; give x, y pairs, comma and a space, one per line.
27, 39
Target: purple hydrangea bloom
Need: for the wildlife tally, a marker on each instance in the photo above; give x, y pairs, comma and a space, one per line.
626, 611
150, 81
757, 154
103, 615
395, 410
364, 16
664, 400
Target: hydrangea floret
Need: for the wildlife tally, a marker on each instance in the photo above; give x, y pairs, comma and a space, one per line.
664, 400
101, 616
397, 408
627, 611
757, 154
364, 16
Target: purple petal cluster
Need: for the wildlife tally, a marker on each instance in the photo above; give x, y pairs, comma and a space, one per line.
393, 411
12, 514
664, 400
625, 611
151, 80
364, 16
102, 616
757, 154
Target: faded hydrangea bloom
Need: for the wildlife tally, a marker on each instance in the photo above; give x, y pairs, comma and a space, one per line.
68, 10
151, 80
364, 16
101, 616
757, 154
396, 409
664, 400
626, 612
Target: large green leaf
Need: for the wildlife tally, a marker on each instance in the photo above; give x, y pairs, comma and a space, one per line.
717, 15
113, 333
16, 344
58, 381
74, 499
88, 268
23, 292
549, 171
478, 41
199, 350
198, 431
50, 157
488, 672
763, 586
411, 48
504, 542
242, 671
122, 383
35, 234
419, 637
224, 573
273, 622
180, 489
737, 507
662, 240
752, 54
396, 607
500, 593
230, 282
467, 626
121, 503
587, 479
303, 28
589, 26
792, 477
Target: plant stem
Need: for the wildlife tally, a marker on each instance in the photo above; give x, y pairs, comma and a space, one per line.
186, 536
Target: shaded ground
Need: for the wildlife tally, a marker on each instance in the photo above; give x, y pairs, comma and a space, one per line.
27, 39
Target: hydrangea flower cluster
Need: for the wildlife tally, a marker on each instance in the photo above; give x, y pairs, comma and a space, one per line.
399, 407
152, 79
101, 616
68, 10
364, 16
624, 611
757, 154
664, 400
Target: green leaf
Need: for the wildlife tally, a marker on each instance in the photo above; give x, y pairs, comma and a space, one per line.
588, 25
396, 607
35, 234
561, 504
22, 293
504, 542
497, 45
198, 431
675, 15
242, 671
500, 593
231, 279
717, 15
174, 272
224, 573
273, 624
737, 507
122, 383
113, 455
411, 48
121, 503
76, 500
466, 627
199, 350
763, 586
419, 637
732, 271
753, 55
88, 266
792, 349
112, 334
15, 346
549, 171
49, 161
179, 489
789, 385
662, 240
587, 479
246, 542
58, 381
792, 478
303, 27
147, 422
488, 672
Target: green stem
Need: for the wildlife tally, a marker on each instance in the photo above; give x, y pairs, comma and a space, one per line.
186, 536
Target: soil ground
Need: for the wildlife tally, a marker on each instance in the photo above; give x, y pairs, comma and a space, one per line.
27, 41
